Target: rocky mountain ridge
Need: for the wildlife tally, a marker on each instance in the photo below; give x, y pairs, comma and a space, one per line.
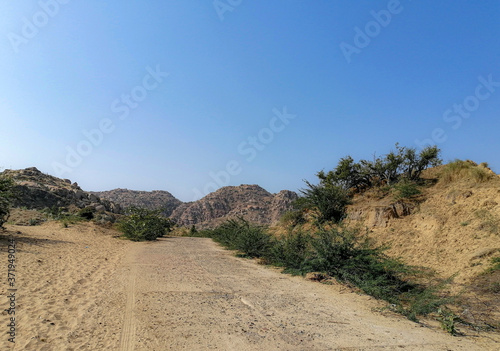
36, 190
247, 201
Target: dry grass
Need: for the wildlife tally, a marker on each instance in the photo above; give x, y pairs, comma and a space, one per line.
464, 170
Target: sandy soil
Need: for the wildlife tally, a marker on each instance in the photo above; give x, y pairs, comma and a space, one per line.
79, 288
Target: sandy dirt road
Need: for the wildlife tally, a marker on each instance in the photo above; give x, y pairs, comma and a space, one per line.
81, 288
190, 294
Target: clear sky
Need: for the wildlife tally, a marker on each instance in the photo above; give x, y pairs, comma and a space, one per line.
189, 95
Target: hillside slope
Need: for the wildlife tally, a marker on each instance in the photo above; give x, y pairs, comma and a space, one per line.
36, 190
248, 201
451, 227
153, 200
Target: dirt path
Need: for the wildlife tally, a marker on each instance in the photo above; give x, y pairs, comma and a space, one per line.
81, 288
192, 295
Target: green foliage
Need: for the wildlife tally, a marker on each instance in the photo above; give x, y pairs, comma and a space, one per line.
292, 251
495, 261
34, 221
293, 218
239, 234
340, 253
55, 213
423, 301
330, 201
347, 175
405, 189
141, 224
330, 197
448, 321
69, 218
65, 217
87, 213
404, 163
463, 170
6, 194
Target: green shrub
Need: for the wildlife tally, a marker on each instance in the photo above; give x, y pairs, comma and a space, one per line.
329, 201
342, 254
63, 215
34, 221
141, 224
425, 300
293, 252
495, 261
87, 213
239, 234
293, 218
405, 189
253, 241
448, 321
6, 194
55, 213
404, 163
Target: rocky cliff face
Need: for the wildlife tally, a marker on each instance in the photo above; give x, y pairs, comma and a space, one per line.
36, 190
153, 200
248, 201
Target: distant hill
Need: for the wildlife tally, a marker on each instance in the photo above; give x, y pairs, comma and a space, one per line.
37, 190
153, 200
248, 201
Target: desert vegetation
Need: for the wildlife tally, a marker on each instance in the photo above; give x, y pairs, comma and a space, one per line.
141, 224
6, 193
464, 170
314, 238
399, 170
346, 255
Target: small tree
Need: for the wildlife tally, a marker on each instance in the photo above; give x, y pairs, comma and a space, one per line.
428, 157
141, 224
329, 200
347, 174
6, 193
389, 169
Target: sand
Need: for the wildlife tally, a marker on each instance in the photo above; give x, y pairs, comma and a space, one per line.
81, 288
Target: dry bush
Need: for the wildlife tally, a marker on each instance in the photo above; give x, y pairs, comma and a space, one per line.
463, 170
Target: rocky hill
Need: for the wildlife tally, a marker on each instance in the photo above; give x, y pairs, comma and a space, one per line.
37, 190
153, 200
248, 201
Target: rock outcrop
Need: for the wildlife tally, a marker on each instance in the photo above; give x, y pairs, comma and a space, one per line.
153, 200
251, 202
36, 190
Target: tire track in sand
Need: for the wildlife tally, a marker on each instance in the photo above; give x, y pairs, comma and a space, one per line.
127, 339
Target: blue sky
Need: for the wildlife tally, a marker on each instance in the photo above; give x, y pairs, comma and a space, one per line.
164, 95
